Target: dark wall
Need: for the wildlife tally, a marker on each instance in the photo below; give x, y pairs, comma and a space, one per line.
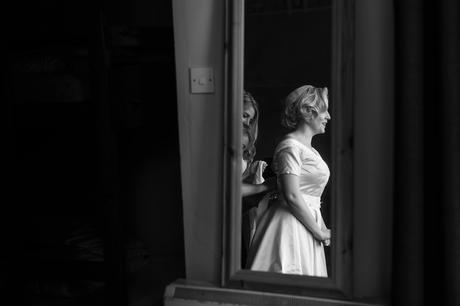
427, 146
143, 87
87, 82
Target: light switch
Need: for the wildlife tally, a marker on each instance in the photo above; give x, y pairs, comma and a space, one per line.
201, 80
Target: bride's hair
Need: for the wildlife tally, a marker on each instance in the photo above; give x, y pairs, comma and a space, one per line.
302, 104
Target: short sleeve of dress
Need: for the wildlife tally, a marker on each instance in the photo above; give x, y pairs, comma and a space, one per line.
288, 161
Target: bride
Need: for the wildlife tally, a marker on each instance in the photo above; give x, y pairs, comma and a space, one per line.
290, 233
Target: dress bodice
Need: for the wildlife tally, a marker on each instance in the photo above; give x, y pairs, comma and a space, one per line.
293, 157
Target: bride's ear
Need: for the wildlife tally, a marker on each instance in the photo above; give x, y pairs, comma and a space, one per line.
308, 113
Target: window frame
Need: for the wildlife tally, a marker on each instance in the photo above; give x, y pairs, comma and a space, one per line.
339, 284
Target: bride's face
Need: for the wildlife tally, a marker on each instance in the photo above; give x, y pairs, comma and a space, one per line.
318, 122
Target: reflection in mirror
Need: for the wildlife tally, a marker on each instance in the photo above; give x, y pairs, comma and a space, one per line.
286, 198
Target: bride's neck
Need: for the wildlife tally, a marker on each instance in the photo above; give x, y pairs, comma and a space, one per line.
303, 134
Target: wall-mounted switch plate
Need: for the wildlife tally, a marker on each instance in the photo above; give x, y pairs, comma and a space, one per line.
201, 80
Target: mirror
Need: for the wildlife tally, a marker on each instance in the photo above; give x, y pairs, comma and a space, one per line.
287, 44
273, 48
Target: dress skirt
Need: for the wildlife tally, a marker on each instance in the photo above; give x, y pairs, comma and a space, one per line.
282, 244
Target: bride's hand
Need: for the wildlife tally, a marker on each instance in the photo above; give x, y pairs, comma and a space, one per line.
326, 235
323, 235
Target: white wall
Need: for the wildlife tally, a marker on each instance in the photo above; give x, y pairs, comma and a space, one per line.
199, 42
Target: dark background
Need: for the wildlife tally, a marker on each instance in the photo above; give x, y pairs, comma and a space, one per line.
94, 211
287, 47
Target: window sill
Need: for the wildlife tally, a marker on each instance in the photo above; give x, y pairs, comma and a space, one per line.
197, 293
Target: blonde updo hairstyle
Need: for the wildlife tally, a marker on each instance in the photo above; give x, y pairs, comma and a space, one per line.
304, 103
